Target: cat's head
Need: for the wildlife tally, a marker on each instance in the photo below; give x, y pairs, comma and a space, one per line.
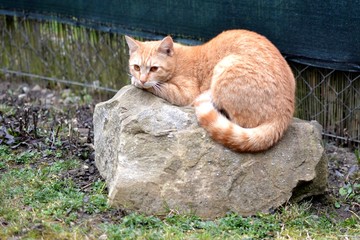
151, 62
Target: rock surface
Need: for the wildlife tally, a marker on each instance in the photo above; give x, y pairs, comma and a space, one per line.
155, 157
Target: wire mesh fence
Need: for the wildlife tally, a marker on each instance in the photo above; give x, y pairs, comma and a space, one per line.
62, 53
72, 55
332, 98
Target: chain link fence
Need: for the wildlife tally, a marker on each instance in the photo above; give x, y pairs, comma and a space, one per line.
62, 53
71, 55
332, 98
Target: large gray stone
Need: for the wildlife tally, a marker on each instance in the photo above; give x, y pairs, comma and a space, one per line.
155, 157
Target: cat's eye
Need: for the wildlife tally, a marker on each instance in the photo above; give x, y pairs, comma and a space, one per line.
154, 69
137, 68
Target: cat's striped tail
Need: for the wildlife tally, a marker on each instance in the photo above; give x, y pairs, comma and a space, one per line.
232, 135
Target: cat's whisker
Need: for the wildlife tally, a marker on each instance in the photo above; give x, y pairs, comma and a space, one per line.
157, 88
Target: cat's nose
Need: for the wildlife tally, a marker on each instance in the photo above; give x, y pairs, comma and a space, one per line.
143, 78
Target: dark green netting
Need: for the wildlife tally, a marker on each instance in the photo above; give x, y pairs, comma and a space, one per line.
319, 33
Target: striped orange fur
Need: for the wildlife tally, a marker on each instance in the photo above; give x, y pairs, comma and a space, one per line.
242, 88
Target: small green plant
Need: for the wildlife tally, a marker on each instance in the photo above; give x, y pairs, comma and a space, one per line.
26, 157
134, 221
258, 227
3, 165
87, 99
357, 155
7, 110
4, 154
346, 191
351, 192
4, 151
99, 187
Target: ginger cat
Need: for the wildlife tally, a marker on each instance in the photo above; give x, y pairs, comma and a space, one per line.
242, 88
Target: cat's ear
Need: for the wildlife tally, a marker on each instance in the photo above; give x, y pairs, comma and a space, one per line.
167, 46
132, 43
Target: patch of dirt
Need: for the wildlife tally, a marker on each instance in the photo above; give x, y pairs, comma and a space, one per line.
344, 176
34, 117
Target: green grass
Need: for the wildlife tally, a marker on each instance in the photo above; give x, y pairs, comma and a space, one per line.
37, 201
357, 155
291, 222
